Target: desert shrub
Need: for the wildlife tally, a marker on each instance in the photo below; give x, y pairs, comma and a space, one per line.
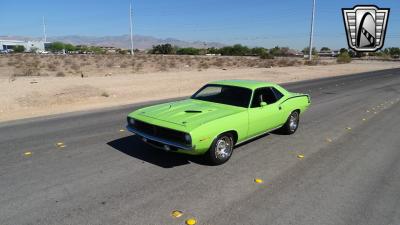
19, 49
218, 63
68, 61
343, 57
105, 94
203, 65
51, 66
172, 64
163, 66
124, 65
109, 64
60, 74
28, 69
286, 62
266, 64
266, 55
139, 66
75, 67
312, 62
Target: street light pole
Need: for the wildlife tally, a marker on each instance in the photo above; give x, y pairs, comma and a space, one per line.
312, 31
130, 22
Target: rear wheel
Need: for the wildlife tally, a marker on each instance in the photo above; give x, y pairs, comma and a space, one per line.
292, 123
221, 149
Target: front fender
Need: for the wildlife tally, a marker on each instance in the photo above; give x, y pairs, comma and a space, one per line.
204, 135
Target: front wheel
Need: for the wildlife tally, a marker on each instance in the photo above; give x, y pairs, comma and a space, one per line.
292, 123
221, 149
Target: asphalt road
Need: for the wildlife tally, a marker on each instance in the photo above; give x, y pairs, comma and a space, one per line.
350, 173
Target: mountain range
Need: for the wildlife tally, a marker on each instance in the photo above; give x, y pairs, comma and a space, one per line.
121, 41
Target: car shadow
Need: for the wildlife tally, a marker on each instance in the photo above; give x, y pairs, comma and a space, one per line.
136, 148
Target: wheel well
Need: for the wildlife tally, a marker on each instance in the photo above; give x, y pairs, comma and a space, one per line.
234, 134
298, 110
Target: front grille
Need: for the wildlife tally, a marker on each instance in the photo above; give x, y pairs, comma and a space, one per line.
160, 132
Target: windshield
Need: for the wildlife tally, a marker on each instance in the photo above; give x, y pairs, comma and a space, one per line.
229, 95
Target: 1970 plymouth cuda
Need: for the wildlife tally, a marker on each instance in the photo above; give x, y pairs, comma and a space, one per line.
219, 116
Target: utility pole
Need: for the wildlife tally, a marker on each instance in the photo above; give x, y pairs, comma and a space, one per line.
131, 29
44, 31
312, 31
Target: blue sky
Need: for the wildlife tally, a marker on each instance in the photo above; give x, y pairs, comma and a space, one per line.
252, 22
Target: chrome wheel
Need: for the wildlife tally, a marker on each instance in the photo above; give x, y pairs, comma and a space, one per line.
223, 148
293, 121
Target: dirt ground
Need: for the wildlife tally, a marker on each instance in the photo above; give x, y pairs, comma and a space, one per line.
31, 96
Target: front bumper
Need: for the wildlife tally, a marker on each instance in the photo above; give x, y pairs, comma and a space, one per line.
160, 140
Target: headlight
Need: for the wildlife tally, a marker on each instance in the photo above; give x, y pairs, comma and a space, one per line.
188, 139
131, 121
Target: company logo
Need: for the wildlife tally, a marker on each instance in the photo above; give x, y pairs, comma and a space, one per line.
365, 27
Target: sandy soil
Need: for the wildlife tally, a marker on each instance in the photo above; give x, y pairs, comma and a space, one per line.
27, 97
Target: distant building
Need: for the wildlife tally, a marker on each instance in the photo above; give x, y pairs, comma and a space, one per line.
40, 46
329, 53
109, 49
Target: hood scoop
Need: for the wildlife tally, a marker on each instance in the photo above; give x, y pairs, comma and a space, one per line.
193, 111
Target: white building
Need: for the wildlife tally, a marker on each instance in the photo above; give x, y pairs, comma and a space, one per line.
29, 45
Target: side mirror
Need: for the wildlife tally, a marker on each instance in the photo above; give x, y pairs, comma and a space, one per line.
262, 104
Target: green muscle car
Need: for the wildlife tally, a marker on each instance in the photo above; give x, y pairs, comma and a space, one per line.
219, 116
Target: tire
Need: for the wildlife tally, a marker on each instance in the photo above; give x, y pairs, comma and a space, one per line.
292, 123
221, 149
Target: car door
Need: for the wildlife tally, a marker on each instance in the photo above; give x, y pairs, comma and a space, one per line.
263, 118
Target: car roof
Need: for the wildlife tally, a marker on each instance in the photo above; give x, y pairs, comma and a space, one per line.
251, 84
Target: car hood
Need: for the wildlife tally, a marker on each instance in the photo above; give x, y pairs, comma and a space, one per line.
190, 112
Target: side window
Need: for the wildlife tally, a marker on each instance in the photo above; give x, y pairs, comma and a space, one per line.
257, 98
277, 93
264, 95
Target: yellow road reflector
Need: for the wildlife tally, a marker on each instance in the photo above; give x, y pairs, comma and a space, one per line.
59, 144
62, 146
348, 128
300, 156
122, 130
364, 119
258, 181
367, 111
329, 140
28, 153
191, 221
176, 213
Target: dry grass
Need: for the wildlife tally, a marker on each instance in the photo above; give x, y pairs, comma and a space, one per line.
101, 65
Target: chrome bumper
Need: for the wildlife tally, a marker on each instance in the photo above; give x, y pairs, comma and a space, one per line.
159, 140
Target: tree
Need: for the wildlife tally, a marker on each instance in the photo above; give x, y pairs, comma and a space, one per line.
258, 51
57, 46
188, 51
276, 51
69, 47
19, 48
325, 49
165, 49
266, 55
342, 50
235, 50
394, 52
213, 50
306, 51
